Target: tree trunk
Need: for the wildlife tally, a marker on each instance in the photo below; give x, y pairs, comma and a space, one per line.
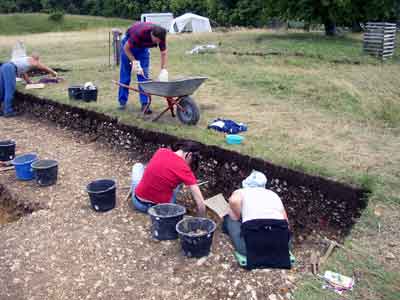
330, 28
356, 27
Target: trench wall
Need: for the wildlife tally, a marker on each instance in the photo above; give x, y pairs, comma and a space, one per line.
312, 202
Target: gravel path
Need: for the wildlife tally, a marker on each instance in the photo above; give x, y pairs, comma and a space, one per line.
68, 251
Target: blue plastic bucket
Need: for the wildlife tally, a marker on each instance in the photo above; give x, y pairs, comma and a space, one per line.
164, 218
23, 166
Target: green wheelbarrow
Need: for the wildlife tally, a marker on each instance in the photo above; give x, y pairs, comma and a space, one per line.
176, 93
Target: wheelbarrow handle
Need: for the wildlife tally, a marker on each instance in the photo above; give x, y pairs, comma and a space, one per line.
124, 85
132, 88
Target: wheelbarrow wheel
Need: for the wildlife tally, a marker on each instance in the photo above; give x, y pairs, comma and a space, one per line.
190, 114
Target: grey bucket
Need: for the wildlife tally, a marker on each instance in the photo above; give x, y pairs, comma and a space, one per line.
164, 218
102, 194
45, 171
196, 236
7, 150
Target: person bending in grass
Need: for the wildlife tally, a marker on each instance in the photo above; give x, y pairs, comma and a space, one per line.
8, 74
161, 179
257, 224
135, 55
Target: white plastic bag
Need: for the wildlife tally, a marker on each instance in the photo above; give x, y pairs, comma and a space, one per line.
163, 75
89, 86
202, 49
18, 51
137, 174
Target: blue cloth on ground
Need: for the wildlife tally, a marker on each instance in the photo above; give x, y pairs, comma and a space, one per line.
227, 126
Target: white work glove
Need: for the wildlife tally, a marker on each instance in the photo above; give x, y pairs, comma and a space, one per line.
137, 68
163, 75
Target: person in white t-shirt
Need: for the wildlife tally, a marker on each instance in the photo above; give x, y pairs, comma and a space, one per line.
252, 202
8, 73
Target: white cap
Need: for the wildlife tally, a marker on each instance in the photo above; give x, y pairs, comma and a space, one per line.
255, 179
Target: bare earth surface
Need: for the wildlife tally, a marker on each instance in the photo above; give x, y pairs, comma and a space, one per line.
68, 251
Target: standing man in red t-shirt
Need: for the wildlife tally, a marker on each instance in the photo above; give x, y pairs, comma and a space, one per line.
135, 54
163, 175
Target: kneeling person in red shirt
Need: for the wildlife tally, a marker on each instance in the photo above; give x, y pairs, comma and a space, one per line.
161, 179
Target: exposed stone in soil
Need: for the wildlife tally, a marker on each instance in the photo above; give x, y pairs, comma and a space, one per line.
68, 251
312, 202
13, 208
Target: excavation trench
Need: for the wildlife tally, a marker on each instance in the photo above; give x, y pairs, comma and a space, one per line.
12, 208
313, 203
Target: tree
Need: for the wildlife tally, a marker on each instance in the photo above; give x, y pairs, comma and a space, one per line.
250, 13
183, 6
327, 12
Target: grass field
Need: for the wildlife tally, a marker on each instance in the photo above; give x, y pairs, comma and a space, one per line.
11, 24
321, 106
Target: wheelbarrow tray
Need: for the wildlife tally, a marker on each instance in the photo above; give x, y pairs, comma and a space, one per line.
174, 88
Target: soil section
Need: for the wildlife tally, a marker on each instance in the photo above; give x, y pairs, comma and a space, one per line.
313, 203
68, 251
12, 208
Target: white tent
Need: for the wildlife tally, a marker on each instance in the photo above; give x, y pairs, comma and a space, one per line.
190, 23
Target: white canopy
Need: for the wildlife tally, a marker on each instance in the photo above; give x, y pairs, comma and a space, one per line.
190, 23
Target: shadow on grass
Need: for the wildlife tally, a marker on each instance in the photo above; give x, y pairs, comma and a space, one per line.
308, 37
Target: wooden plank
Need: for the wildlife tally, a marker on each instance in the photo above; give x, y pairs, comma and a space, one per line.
373, 48
218, 204
380, 25
373, 41
373, 35
376, 31
376, 37
372, 31
35, 86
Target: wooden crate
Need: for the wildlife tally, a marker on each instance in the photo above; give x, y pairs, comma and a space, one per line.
380, 39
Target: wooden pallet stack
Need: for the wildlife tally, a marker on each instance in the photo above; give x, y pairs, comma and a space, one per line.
380, 39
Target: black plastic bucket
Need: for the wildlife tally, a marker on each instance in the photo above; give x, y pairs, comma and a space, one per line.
7, 150
75, 92
196, 236
45, 171
164, 218
89, 95
102, 194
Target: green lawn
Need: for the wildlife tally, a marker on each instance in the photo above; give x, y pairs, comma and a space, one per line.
14, 24
320, 106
